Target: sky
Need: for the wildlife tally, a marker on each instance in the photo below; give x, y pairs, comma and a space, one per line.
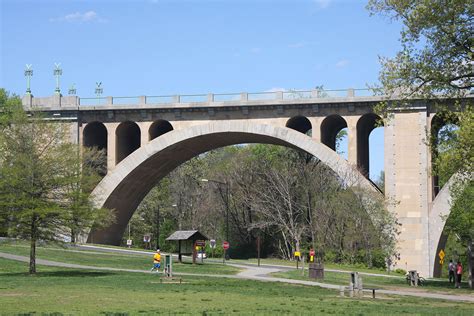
159, 47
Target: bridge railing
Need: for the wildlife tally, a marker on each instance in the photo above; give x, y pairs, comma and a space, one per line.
214, 97
92, 101
125, 100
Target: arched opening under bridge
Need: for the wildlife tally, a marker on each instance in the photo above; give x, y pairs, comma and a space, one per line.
126, 186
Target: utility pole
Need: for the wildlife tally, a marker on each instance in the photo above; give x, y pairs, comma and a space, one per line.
226, 199
157, 227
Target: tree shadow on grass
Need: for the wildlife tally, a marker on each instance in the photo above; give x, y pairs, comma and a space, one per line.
65, 273
444, 284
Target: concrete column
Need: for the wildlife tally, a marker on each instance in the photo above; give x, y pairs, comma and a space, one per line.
244, 96
352, 139
111, 127
27, 100
210, 97
316, 125
144, 126
110, 100
56, 101
406, 166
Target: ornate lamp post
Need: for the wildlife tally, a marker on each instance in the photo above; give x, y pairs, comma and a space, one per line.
72, 89
57, 73
98, 89
28, 75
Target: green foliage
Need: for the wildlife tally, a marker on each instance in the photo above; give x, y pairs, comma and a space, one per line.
456, 147
339, 138
44, 185
461, 219
10, 107
436, 55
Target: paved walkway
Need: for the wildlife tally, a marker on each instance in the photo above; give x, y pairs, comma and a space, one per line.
248, 273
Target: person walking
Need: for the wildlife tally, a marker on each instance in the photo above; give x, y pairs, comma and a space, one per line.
451, 273
156, 261
458, 274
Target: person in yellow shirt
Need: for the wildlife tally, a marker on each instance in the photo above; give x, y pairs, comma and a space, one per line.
156, 261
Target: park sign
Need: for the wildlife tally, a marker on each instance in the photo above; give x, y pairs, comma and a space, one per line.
201, 243
441, 255
146, 238
212, 243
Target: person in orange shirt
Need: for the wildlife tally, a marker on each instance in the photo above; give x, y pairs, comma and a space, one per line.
156, 261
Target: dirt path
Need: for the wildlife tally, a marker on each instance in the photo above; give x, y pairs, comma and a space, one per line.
249, 273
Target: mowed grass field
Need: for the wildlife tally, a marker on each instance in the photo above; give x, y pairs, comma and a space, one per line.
113, 260
57, 291
379, 282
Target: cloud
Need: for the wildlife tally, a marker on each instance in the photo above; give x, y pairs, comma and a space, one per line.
78, 17
342, 63
322, 4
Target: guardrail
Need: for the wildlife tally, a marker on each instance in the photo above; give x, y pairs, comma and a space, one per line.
225, 97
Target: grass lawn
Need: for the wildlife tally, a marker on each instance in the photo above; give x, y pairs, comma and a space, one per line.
109, 259
61, 290
378, 282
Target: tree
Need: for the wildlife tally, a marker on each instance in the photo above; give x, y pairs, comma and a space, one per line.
42, 188
436, 55
83, 170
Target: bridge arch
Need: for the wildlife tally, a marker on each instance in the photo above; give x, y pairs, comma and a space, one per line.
158, 128
127, 140
330, 126
126, 186
300, 124
440, 210
365, 125
95, 135
439, 121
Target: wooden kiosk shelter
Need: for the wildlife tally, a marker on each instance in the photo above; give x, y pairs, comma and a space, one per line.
187, 242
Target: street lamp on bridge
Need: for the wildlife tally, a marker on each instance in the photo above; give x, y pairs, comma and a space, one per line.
28, 75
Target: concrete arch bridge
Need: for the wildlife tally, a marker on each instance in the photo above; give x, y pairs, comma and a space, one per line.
147, 137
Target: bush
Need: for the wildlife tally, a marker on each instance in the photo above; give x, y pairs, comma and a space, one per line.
400, 271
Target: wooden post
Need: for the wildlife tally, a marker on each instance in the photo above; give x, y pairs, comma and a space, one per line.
180, 258
302, 265
470, 265
258, 249
194, 252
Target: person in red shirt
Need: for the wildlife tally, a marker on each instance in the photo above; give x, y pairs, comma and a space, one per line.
458, 274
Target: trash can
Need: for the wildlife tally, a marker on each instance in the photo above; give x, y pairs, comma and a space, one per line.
316, 271
413, 277
168, 268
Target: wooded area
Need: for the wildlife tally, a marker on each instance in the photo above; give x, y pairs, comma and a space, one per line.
288, 198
